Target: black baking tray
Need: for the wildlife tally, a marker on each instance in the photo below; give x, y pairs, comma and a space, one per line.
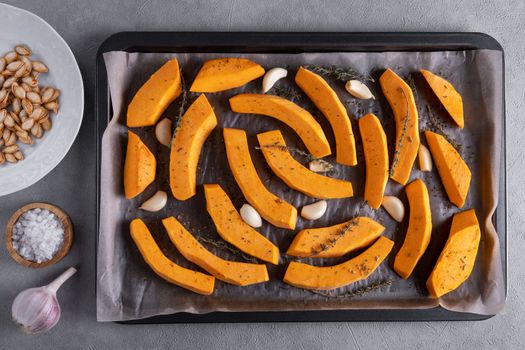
271, 42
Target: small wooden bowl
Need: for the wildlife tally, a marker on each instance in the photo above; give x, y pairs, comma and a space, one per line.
66, 245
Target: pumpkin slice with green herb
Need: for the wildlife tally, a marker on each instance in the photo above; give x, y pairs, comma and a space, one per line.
152, 99
295, 175
272, 208
337, 240
327, 101
419, 229
193, 130
140, 166
456, 261
234, 272
193, 280
331, 277
300, 120
232, 228
401, 99
225, 73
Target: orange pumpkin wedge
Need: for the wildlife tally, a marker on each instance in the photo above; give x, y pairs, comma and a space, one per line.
140, 166
194, 128
300, 120
272, 208
447, 95
349, 236
225, 73
192, 280
327, 101
295, 175
233, 272
401, 99
152, 99
232, 228
331, 277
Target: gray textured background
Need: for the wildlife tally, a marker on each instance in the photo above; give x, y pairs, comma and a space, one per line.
85, 24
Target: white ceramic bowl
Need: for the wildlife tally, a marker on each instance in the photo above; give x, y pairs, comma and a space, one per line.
22, 27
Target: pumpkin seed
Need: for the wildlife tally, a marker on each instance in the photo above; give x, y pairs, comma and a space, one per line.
11, 158
19, 155
47, 94
39, 67
18, 91
46, 124
3, 63
2, 158
27, 106
52, 106
11, 140
22, 50
7, 73
28, 124
11, 149
15, 117
9, 121
8, 82
33, 97
3, 115
11, 56
24, 137
14, 66
16, 105
37, 131
3, 94
2, 79
22, 72
30, 81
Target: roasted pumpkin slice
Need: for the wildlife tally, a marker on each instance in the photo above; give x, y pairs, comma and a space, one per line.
161, 89
232, 228
272, 208
419, 229
401, 99
295, 175
376, 158
194, 128
234, 272
140, 166
331, 277
447, 95
225, 73
456, 261
452, 169
325, 98
349, 236
195, 281
300, 120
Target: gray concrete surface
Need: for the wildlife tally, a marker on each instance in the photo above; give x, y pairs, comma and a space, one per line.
85, 24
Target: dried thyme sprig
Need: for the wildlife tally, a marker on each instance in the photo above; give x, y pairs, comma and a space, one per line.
436, 126
397, 151
373, 286
224, 246
338, 73
288, 93
412, 83
182, 107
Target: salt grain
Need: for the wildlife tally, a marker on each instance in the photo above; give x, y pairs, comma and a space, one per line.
38, 235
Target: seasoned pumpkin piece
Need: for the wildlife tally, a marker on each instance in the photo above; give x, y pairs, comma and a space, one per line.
225, 73
376, 158
300, 120
272, 208
195, 127
401, 99
295, 175
152, 99
140, 166
349, 236
419, 229
456, 261
331, 277
234, 272
447, 95
193, 280
327, 101
452, 169
232, 228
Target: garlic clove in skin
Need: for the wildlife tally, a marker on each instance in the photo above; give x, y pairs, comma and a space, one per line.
425, 160
37, 309
271, 77
314, 211
163, 132
320, 166
250, 216
358, 90
156, 202
394, 207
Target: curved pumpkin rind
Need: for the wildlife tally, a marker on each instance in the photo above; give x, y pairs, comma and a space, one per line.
447, 95
232, 228
272, 208
363, 231
399, 95
295, 175
331, 277
419, 229
299, 119
140, 166
233, 272
195, 127
192, 280
456, 261
376, 159
225, 73
327, 101
157, 93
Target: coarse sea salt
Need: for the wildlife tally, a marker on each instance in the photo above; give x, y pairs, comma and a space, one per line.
38, 235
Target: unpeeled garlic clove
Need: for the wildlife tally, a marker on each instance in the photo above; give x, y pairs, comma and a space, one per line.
314, 211
156, 202
425, 159
359, 90
250, 216
394, 207
271, 77
163, 132
320, 166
